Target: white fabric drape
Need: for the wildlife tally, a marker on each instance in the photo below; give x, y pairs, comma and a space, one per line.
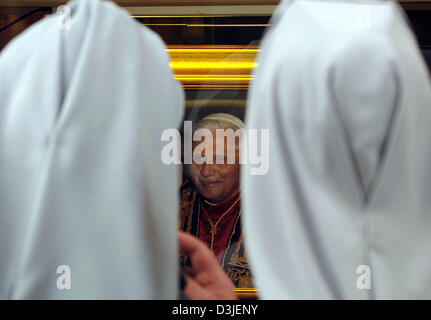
81, 180
345, 94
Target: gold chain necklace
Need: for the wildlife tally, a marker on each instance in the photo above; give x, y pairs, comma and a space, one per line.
213, 230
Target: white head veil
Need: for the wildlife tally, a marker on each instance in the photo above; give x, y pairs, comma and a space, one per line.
344, 91
82, 110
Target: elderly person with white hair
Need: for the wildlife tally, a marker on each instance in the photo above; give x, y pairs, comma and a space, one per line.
210, 199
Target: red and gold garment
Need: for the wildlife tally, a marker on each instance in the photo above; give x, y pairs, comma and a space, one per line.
198, 216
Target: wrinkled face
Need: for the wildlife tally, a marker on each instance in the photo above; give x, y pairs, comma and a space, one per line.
216, 182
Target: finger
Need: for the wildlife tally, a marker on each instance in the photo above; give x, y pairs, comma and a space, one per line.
202, 258
189, 272
188, 243
194, 291
207, 278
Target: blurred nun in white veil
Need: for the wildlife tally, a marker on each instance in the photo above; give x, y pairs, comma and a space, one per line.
81, 180
345, 209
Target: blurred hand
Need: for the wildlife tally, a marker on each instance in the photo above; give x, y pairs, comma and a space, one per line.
206, 280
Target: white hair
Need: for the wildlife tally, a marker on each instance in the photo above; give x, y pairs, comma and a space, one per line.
219, 121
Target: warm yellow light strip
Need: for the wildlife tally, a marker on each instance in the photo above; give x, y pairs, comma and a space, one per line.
203, 65
226, 87
213, 67
246, 290
210, 79
213, 51
214, 48
215, 76
247, 293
